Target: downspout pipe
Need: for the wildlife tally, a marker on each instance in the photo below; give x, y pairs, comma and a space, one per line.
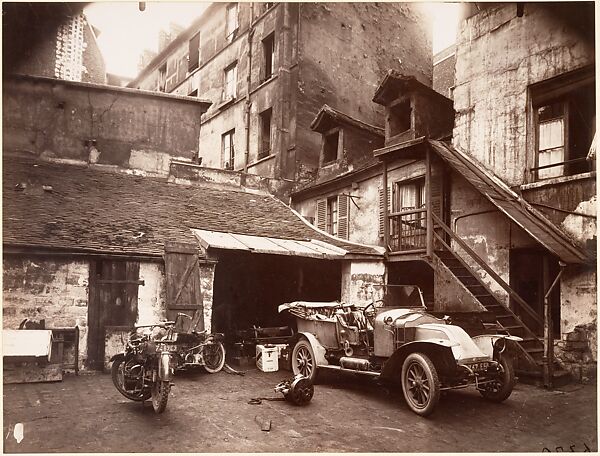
548, 358
248, 81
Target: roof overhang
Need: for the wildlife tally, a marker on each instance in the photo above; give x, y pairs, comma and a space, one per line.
328, 117
268, 245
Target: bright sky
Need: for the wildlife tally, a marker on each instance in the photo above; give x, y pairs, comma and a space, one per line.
126, 31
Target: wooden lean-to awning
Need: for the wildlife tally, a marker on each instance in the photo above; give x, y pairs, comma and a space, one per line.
263, 244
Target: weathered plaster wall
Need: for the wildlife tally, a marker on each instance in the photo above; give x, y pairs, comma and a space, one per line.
345, 50
498, 56
207, 276
151, 295
361, 282
363, 217
487, 231
576, 348
450, 294
56, 119
52, 289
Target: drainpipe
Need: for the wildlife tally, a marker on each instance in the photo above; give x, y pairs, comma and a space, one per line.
248, 80
548, 358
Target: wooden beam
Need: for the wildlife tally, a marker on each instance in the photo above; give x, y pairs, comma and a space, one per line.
428, 204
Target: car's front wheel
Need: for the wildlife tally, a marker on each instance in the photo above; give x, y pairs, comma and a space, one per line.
501, 388
420, 384
303, 360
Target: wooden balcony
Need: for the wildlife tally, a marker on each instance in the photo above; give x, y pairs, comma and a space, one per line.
408, 231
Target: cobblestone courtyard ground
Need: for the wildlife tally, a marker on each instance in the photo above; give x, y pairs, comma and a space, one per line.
210, 413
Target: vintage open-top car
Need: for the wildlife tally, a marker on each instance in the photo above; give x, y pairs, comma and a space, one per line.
402, 344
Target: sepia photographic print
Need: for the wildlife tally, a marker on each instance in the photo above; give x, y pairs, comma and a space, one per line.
274, 227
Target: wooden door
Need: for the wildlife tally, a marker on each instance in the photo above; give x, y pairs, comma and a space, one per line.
184, 292
113, 296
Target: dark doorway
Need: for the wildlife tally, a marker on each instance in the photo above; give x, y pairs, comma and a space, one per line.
248, 288
113, 295
413, 273
528, 279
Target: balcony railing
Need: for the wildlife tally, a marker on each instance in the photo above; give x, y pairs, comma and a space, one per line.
408, 230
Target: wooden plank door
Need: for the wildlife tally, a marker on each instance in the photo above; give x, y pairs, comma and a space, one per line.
113, 302
184, 292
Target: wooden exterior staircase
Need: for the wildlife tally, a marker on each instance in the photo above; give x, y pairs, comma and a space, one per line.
532, 347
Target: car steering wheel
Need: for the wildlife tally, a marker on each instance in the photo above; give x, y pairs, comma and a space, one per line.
370, 314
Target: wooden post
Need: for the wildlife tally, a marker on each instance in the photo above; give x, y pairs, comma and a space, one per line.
548, 358
386, 223
428, 205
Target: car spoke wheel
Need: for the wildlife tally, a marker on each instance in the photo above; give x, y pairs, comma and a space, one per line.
127, 376
420, 384
501, 388
214, 357
303, 360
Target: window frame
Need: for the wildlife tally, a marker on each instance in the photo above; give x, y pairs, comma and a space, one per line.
340, 146
228, 152
264, 152
332, 215
226, 95
191, 47
559, 89
266, 75
231, 28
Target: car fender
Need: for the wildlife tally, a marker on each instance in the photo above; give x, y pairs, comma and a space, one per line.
438, 350
317, 348
485, 342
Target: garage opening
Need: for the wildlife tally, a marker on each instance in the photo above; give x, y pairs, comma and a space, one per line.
248, 288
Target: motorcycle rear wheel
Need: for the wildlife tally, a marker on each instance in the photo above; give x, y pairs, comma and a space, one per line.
213, 354
160, 395
119, 373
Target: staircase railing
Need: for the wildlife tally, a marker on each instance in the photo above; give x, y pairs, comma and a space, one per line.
512, 293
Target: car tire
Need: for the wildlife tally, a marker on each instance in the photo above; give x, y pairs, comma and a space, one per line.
303, 360
420, 384
501, 390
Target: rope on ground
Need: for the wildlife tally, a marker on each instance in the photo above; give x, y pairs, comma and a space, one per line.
258, 400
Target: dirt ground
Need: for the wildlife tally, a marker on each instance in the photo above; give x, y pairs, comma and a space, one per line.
211, 413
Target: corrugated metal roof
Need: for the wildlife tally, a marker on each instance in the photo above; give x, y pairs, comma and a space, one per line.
263, 244
511, 204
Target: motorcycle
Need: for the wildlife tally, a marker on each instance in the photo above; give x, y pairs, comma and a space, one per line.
146, 368
199, 348
153, 353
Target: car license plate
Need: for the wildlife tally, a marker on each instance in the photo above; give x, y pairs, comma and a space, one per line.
479, 366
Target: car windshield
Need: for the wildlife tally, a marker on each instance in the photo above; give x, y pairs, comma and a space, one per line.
402, 296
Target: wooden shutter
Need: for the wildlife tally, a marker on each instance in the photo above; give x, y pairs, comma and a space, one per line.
184, 292
321, 214
343, 216
381, 207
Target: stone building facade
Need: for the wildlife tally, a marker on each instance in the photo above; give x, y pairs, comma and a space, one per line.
269, 67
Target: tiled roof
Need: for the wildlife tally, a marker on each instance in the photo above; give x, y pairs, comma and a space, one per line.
86, 209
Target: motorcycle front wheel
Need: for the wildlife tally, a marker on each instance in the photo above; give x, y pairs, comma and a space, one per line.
160, 395
213, 354
128, 379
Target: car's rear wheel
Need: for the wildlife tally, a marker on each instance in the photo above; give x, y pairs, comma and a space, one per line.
303, 360
420, 384
500, 389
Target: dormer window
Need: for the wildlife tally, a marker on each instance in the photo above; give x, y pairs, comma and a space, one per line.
332, 144
399, 117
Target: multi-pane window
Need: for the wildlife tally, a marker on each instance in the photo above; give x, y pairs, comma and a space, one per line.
265, 133
231, 21
268, 56
564, 119
229, 87
409, 195
228, 146
332, 215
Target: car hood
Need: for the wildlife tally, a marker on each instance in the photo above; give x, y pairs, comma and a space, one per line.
463, 347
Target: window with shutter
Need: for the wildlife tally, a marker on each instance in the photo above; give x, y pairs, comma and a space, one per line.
382, 208
194, 52
322, 214
343, 228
